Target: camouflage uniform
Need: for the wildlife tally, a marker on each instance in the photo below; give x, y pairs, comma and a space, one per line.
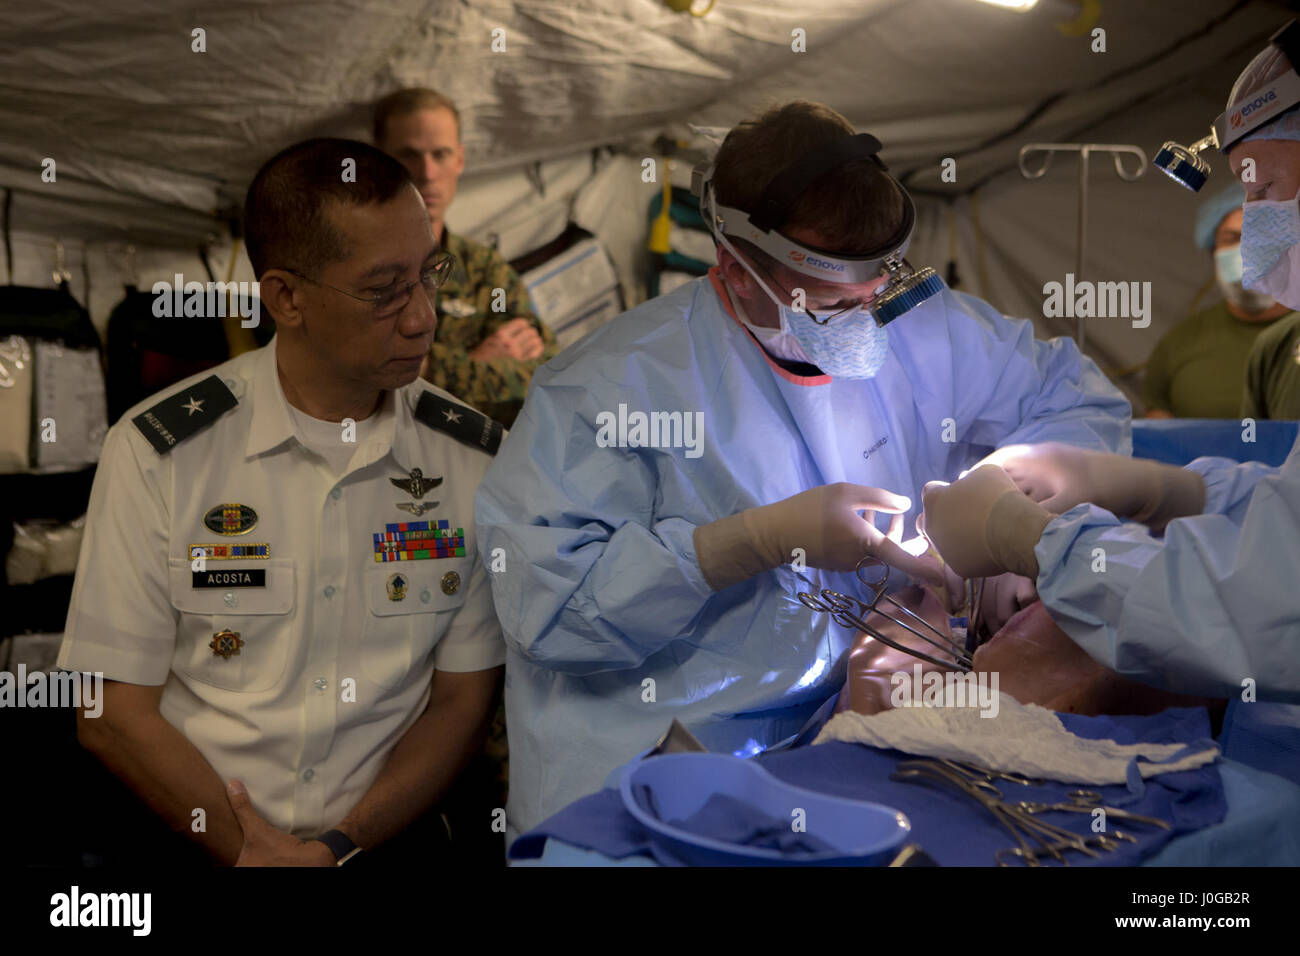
494, 386
465, 318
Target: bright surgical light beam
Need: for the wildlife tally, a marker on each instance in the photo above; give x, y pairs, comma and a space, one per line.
916, 546
1020, 6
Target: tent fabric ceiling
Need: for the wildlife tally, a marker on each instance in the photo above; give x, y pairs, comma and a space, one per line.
152, 139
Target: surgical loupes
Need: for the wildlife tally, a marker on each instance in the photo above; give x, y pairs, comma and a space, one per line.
1183, 164
905, 289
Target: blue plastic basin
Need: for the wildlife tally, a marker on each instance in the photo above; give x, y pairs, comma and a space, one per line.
862, 833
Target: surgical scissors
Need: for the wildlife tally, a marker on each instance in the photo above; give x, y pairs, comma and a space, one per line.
850, 612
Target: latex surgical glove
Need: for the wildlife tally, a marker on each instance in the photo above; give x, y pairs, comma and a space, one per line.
983, 524
1061, 476
824, 522
953, 593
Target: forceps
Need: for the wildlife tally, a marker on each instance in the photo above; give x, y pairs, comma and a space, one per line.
1085, 801
1016, 818
981, 775
850, 612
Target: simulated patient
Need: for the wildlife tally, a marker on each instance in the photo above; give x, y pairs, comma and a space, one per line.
1036, 662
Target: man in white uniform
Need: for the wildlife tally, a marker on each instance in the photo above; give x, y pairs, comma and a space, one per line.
279, 578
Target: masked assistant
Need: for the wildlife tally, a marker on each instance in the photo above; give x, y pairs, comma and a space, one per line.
1227, 261
1227, 275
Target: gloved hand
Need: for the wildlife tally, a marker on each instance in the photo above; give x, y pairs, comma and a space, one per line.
983, 524
1061, 476
824, 522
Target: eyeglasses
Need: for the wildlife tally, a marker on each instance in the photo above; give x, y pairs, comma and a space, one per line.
395, 298
821, 316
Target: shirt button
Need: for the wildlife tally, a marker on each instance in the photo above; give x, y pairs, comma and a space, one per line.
336, 494
321, 683
308, 774
329, 590
424, 596
230, 599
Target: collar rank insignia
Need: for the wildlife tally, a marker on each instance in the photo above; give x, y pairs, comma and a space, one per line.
185, 413
459, 421
226, 644
417, 484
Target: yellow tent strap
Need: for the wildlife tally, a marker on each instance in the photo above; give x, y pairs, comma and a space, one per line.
660, 229
239, 338
1081, 25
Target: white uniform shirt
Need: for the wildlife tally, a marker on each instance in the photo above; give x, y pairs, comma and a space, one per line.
317, 610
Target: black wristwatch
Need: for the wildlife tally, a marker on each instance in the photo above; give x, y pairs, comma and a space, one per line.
340, 845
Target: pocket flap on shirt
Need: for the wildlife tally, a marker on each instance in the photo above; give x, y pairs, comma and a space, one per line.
257, 587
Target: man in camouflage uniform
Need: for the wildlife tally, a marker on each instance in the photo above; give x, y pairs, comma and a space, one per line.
486, 346
488, 340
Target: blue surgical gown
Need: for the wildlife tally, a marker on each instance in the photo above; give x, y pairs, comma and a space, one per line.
610, 627
1214, 603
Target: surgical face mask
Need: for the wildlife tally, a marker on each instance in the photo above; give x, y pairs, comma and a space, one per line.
848, 345
1227, 272
1270, 249
778, 342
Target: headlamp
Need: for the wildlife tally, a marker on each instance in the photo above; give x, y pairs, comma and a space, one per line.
906, 287
1258, 107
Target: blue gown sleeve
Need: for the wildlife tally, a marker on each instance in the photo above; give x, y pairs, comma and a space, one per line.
1202, 610
593, 580
1229, 484
1033, 390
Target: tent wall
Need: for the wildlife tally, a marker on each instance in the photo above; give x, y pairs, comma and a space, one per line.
152, 138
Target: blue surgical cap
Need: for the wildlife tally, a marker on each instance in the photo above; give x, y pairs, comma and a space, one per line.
1212, 211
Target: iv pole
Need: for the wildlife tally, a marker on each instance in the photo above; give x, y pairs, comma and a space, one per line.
1084, 150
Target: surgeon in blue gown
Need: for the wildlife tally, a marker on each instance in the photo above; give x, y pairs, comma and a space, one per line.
1212, 606
638, 584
